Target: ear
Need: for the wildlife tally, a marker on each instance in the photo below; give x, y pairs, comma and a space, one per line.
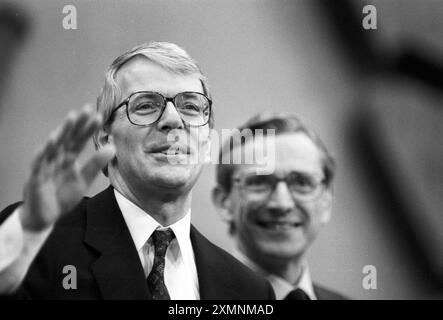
103, 137
222, 202
326, 207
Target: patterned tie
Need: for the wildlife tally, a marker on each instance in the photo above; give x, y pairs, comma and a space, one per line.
297, 294
156, 280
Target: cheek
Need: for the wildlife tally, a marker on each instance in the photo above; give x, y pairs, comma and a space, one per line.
315, 217
199, 137
128, 139
247, 211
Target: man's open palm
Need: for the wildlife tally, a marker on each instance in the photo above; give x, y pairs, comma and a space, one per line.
57, 181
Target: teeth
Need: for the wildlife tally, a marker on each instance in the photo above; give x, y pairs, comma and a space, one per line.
279, 226
172, 153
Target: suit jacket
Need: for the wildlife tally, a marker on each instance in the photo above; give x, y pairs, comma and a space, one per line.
323, 293
95, 240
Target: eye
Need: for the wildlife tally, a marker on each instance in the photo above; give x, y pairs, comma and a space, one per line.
302, 183
189, 107
258, 182
145, 107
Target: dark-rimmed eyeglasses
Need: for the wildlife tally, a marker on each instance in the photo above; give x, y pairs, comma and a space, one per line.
303, 187
144, 108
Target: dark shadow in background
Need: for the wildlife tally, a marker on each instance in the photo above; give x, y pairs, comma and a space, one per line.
358, 46
414, 63
14, 26
360, 49
394, 211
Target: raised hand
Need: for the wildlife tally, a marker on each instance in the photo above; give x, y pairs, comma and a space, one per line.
57, 181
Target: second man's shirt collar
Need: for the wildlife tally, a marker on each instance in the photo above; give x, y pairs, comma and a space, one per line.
281, 286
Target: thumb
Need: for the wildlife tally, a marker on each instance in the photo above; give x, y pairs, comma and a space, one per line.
92, 167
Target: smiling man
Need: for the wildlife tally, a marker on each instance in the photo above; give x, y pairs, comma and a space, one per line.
275, 217
134, 240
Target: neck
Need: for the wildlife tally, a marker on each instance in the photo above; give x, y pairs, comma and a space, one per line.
288, 269
165, 206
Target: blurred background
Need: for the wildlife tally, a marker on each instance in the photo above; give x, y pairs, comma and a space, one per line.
374, 96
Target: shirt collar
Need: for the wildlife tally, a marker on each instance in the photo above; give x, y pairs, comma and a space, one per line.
281, 286
141, 225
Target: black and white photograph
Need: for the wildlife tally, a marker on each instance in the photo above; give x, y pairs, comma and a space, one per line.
222, 150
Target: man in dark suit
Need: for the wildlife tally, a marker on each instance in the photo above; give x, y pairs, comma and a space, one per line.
134, 240
276, 202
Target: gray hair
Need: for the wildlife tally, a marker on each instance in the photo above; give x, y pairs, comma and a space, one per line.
282, 123
167, 55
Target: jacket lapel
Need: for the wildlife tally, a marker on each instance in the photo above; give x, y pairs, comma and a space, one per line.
213, 278
118, 270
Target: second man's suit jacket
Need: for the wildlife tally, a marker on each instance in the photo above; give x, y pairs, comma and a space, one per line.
95, 240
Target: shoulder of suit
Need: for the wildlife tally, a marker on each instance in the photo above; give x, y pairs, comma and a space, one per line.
324, 293
232, 266
6, 212
76, 217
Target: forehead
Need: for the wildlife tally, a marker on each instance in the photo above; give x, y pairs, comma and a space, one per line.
290, 152
141, 74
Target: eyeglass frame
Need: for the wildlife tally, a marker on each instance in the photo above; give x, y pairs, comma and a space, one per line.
165, 100
321, 184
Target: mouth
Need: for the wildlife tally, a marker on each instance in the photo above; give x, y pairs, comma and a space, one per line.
279, 225
170, 150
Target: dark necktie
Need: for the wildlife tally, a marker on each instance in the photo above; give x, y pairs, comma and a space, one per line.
297, 294
156, 279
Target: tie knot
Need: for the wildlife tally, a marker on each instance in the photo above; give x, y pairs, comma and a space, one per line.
162, 239
297, 294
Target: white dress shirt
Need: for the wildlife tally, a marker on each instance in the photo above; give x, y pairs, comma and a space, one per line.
18, 249
180, 270
281, 286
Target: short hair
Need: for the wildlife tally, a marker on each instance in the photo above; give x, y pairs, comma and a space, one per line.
282, 123
167, 55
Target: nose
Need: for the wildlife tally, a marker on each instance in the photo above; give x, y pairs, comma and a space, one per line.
281, 200
170, 119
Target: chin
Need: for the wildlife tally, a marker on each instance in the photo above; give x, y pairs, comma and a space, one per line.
280, 251
171, 184
170, 181
171, 178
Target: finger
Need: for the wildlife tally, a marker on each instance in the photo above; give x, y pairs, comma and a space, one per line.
37, 161
67, 146
82, 120
59, 136
68, 158
97, 163
49, 149
93, 124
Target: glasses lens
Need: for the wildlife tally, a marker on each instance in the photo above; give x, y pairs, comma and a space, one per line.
145, 108
261, 184
304, 186
193, 108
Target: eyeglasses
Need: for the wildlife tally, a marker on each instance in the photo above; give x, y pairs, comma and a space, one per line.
146, 107
302, 186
